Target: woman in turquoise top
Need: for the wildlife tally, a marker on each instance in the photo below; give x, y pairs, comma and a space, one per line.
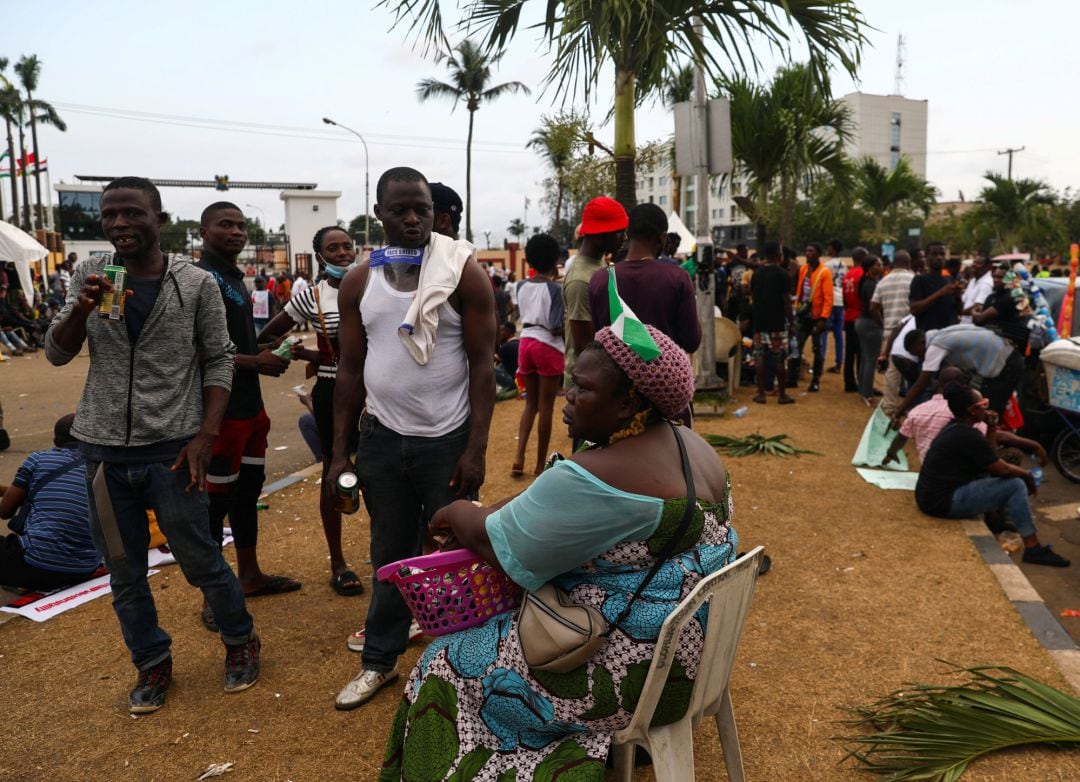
592, 525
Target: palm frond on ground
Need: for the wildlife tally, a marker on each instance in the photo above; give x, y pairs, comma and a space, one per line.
934, 732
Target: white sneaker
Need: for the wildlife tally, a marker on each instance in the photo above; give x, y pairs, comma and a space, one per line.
355, 642
363, 688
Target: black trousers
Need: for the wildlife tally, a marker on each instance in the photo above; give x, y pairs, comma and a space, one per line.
14, 571
852, 357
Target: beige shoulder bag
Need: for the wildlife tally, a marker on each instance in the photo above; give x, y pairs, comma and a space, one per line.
559, 635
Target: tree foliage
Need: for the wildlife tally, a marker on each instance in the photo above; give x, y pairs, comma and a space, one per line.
470, 69
356, 230
640, 38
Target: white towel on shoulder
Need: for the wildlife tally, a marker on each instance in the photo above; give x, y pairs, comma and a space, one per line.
440, 273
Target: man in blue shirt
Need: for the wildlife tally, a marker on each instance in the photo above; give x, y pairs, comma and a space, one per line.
53, 547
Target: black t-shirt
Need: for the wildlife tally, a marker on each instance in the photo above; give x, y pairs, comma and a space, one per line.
137, 308
1008, 322
245, 401
942, 313
770, 288
867, 286
959, 455
508, 355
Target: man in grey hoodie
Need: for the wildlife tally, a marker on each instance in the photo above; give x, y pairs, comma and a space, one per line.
155, 394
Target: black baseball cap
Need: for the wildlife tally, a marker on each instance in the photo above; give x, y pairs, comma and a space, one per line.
446, 201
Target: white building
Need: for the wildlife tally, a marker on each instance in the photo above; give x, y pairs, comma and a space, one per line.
306, 211
884, 127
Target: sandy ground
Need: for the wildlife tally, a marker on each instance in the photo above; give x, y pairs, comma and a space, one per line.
865, 593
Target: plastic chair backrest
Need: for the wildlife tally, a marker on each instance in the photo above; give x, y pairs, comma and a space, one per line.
728, 337
729, 592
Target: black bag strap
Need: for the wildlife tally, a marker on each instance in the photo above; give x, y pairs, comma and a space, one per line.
52, 475
669, 548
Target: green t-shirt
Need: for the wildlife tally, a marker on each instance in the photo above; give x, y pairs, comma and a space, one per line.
576, 300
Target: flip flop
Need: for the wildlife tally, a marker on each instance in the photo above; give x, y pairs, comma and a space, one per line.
347, 584
277, 585
517, 469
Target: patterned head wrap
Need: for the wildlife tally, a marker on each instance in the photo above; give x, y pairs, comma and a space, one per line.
667, 381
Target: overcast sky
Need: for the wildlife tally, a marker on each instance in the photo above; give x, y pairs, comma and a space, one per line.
995, 73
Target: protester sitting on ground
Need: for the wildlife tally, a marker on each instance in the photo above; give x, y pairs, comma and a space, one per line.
11, 320
506, 357
660, 294
318, 305
594, 525
540, 352
50, 546
924, 422
773, 321
1004, 312
971, 348
963, 477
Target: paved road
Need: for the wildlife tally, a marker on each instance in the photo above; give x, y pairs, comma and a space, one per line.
1057, 517
34, 394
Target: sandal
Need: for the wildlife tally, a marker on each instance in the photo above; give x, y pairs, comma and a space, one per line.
347, 584
517, 469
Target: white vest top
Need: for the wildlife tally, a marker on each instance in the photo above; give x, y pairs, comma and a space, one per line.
410, 399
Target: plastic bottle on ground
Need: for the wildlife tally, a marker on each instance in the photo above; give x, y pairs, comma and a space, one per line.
742, 411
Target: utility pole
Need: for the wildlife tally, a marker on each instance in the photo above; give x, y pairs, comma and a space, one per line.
1010, 152
706, 277
367, 171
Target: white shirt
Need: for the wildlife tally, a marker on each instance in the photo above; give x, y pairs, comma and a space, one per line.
977, 292
905, 326
838, 269
299, 286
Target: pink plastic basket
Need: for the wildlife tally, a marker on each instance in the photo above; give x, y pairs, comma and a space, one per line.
451, 590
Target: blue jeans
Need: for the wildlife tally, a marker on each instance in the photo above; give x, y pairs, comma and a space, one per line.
836, 326
184, 519
995, 494
404, 481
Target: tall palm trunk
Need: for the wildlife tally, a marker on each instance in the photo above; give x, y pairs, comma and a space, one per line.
558, 229
676, 194
624, 147
14, 183
468, 174
27, 223
37, 163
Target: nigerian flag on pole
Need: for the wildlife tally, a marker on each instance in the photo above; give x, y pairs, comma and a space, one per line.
626, 325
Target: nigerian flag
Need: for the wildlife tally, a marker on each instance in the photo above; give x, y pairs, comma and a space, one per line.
626, 325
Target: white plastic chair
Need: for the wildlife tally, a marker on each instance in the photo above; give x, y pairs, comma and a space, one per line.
728, 592
729, 348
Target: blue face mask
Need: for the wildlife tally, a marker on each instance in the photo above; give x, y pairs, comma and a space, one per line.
337, 272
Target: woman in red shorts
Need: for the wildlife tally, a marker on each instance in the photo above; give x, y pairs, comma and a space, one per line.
541, 350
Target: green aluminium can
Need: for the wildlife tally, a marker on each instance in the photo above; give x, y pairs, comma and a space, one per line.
348, 491
112, 302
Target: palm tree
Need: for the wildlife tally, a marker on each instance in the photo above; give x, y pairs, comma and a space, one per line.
1011, 207
641, 38
783, 136
470, 75
678, 88
558, 139
29, 70
9, 102
883, 191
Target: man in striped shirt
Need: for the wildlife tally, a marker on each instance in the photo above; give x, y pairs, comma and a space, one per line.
890, 303
54, 548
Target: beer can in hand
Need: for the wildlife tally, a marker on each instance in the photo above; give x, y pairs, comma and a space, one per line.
112, 302
348, 490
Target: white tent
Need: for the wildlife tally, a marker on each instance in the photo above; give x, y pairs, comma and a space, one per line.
20, 248
676, 225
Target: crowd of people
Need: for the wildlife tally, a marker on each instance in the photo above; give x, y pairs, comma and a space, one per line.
413, 347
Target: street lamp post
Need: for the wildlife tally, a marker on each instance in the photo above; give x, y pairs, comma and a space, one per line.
367, 210
487, 239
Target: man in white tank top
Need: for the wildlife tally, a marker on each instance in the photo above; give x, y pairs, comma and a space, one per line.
423, 434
